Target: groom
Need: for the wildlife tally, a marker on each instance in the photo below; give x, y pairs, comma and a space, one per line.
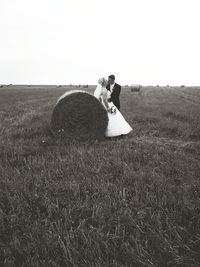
115, 90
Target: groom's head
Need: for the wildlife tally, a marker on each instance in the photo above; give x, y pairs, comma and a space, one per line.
111, 79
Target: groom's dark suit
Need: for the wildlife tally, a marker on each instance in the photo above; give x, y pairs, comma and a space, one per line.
115, 94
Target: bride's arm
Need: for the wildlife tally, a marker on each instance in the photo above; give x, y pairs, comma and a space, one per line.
98, 92
105, 99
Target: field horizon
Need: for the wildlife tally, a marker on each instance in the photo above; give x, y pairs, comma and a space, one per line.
26, 85
132, 201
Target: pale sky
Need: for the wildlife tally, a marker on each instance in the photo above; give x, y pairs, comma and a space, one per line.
148, 42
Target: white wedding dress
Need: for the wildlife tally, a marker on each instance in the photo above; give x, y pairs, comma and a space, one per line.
117, 125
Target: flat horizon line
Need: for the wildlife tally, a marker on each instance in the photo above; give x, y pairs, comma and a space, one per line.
85, 85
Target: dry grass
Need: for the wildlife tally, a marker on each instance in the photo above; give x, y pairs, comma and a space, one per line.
122, 202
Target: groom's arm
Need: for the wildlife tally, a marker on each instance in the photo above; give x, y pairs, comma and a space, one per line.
118, 91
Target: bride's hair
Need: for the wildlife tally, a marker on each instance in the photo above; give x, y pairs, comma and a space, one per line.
102, 81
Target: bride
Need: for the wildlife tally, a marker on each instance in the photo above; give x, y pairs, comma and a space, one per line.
117, 125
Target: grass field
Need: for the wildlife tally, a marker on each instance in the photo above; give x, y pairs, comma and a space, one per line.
133, 201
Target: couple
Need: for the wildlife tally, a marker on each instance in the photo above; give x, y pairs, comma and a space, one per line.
107, 92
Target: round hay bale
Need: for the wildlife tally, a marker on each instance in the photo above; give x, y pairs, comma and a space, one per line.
135, 87
78, 115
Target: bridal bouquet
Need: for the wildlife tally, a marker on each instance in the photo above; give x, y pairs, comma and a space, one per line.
113, 110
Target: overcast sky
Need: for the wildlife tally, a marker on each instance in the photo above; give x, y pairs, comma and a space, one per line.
77, 41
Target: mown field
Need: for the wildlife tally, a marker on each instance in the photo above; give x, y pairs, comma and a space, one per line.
133, 201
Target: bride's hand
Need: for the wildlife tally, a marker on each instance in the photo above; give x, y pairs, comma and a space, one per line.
109, 110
